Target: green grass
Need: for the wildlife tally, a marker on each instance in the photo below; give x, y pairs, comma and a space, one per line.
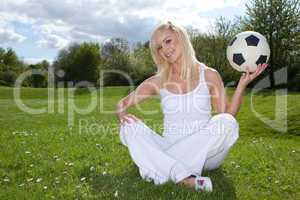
42, 158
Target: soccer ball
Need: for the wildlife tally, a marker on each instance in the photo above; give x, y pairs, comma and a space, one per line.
248, 49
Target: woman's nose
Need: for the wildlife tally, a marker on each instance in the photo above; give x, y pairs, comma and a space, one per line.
164, 45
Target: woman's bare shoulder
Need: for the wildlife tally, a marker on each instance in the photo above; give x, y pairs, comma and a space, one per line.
213, 78
153, 83
154, 79
211, 74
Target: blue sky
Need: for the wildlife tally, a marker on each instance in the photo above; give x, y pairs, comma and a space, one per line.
38, 29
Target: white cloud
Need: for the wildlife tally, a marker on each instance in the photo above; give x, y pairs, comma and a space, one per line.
59, 22
8, 17
53, 41
57, 26
36, 60
9, 35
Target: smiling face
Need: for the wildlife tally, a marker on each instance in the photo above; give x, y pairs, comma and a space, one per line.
168, 46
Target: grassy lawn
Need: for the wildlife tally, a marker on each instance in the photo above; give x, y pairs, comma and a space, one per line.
41, 157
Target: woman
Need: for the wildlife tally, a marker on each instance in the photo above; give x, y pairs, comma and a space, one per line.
192, 139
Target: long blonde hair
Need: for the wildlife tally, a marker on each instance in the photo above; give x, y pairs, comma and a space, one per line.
188, 54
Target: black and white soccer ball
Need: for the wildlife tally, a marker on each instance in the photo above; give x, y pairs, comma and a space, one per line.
248, 49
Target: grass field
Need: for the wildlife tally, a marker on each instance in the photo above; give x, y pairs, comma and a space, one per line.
41, 157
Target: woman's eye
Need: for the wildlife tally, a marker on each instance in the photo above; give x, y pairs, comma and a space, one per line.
168, 41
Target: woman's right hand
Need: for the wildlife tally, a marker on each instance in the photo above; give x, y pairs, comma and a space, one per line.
146, 89
123, 116
127, 117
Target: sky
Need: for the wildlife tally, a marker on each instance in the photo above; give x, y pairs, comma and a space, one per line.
38, 29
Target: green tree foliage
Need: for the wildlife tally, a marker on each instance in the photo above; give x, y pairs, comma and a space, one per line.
37, 79
10, 66
137, 65
279, 21
142, 63
211, 47
116, 62
79, 62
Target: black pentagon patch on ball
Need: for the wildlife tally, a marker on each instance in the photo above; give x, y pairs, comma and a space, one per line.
232, 41
238, 58
262, 59
252, 40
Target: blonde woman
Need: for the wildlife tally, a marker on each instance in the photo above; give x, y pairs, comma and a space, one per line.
193, 139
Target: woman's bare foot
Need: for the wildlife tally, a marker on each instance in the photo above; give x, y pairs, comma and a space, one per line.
198, 183
189, 181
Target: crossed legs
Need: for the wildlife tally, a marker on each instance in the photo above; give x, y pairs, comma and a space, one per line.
160, 161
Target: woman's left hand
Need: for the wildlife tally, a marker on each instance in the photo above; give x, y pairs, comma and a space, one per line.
247, 77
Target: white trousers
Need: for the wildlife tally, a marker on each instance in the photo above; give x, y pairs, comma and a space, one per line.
161, 159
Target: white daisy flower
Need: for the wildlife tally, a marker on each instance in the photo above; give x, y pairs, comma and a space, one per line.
116, 193
6, 179
83, 178
39, 180
92, 168
29, 179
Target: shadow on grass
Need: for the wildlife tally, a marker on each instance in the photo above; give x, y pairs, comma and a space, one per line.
129, 185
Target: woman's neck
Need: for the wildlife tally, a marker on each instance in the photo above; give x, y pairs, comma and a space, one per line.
176, 68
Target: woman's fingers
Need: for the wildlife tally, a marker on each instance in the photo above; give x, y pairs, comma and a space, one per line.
134, 117
260, 69
264, 66
123, 120
255, 73
129, 118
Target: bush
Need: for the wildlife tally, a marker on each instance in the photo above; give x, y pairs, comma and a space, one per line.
8, 77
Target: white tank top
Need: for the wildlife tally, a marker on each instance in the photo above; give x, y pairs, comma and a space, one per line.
185, 113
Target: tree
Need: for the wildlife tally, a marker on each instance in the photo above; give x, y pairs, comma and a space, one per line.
80, 62
142, 63
279, 21
38, 80
116, 56
10, 66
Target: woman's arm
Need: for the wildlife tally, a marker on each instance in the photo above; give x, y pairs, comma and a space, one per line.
245, 79
233, 107
146, 89
217, 91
